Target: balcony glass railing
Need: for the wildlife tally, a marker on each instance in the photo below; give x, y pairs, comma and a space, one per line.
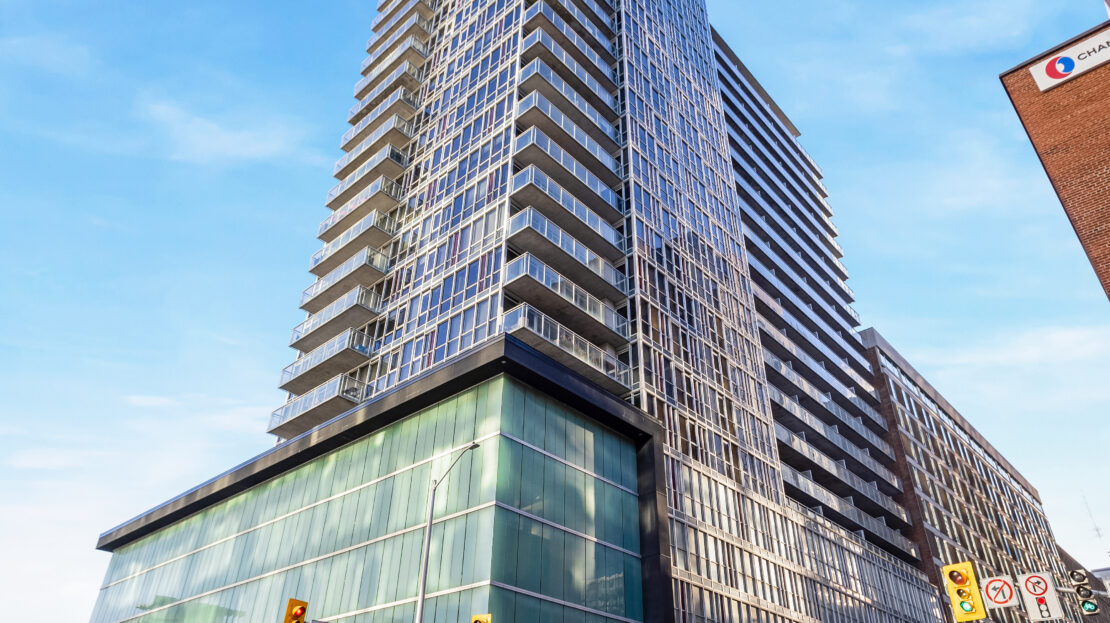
843, 507
400, 95
833, 435
540, 68
381, 185
869, 489
358, 296
527, 317
533, 136
413, 43
541, 8
533, 175
349, 339
529, 265
530, 218
580, 18
540, 37
393, 123
540, 103
854, 422
367, 257
375, 96
370, 221
384, 23
340, 387
603, 11
389, 152
413, 20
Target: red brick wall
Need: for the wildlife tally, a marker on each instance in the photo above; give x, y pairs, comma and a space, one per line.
1069, 126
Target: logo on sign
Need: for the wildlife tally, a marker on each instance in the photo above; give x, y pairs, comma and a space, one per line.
1059, 67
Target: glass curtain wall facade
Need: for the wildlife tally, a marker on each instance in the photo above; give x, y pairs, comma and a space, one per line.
968, 501
539, 524
829, 431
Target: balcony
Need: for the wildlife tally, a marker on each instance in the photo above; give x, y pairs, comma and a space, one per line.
841, 480
412, 51
563, 345
339, 354
541, 15
540, 45
414, 26
530, 280
353, 309
381, 195
776, 366
602, 12
374, 230
533, 188
388, 162
316, 407
366, 268
529, 231
407, 76
539, 77
801, 486
394, 132
536, 111
535, 147
587, 26
385, 24
401, 102
827, 437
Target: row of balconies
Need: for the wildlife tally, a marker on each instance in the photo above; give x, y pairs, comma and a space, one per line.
875, 499
350, 264
585, 24
854, 422
799, 416
816, 495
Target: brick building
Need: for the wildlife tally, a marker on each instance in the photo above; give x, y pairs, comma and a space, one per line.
1063, 99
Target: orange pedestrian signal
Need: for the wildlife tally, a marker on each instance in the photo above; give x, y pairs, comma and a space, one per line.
295, 611
481, 618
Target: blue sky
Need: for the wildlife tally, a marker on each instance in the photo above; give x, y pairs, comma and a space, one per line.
163, 168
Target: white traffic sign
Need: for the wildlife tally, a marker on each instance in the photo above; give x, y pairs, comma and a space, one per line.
1038, 591
999, 592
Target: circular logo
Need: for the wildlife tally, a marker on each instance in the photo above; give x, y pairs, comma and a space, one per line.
1059, 67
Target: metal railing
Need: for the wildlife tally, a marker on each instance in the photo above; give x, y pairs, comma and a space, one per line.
531, 266
527, 317
369, 257
533, 175
342, 386
360, 295
530, 218
381, 185
349, 339
533, 136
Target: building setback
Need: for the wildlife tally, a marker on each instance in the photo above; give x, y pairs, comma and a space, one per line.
1063, 99
827, 423
536, 244
966, 500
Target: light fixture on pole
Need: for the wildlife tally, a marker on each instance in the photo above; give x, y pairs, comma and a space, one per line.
423, 581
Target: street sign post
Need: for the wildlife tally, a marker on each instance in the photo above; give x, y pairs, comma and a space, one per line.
999, 592
1038, 591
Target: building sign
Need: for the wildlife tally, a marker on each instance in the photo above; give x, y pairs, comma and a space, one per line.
1064, 65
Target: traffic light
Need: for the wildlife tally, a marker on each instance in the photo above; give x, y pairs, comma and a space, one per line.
295, 611
481, 618
1084, 595
963, 592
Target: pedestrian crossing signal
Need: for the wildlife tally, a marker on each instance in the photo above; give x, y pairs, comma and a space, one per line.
481, 618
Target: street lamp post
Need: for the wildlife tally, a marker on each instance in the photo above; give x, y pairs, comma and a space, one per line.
428, 534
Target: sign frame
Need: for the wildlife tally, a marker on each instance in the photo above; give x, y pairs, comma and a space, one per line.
1038, 594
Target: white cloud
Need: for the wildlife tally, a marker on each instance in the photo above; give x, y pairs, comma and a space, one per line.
243, 137
958, 28
51, 53
47, 458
